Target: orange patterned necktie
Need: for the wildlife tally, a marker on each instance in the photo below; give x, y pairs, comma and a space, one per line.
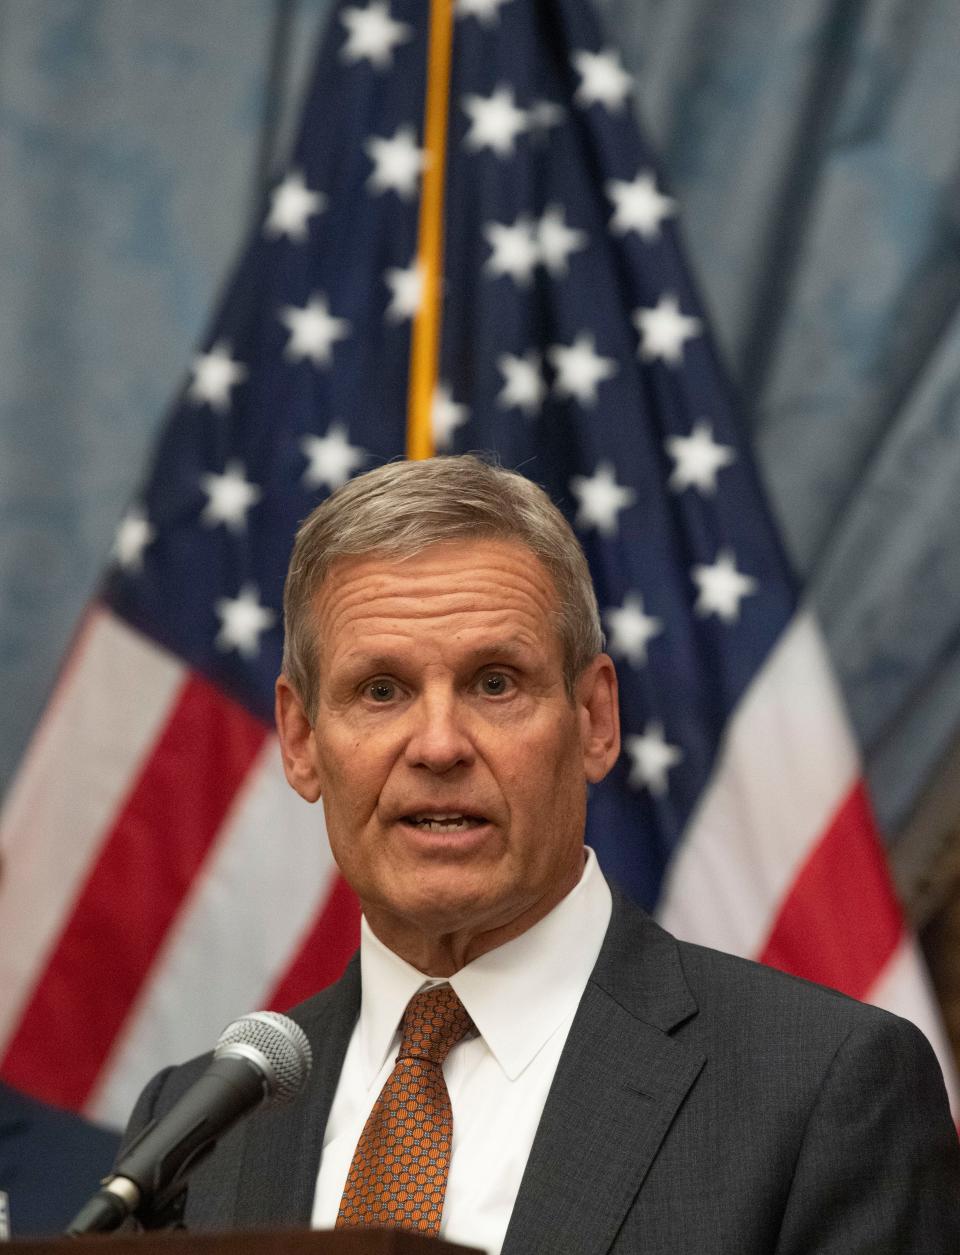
398, 1177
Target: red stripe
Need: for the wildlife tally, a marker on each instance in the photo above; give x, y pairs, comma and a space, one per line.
841, 922
145, 868
325, 951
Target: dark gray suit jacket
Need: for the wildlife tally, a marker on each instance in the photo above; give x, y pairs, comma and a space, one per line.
703, 1105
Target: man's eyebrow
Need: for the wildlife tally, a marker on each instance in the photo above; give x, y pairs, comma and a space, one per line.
370, 664
506, 649
509, 648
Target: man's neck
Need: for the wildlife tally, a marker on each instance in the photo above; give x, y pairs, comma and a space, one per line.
443, 953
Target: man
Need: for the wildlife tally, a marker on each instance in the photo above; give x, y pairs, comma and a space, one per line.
444, 695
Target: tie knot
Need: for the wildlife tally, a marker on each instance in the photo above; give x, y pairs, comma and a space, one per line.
434, 1021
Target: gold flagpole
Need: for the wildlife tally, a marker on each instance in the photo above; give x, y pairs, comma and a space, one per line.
425, 338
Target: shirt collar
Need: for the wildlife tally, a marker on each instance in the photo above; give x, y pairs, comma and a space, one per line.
517, 995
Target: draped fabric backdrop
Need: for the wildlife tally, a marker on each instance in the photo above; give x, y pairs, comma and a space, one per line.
813, 148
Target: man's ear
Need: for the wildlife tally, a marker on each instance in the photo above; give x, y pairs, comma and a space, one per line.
599, 710
296, 741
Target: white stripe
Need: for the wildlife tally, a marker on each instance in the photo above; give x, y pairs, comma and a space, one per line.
904, 988
787, 763
98, 729
266, 878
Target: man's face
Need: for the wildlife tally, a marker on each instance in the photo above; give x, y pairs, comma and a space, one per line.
451, 761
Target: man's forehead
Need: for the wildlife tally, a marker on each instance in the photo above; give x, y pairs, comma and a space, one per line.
441, 559
499, 589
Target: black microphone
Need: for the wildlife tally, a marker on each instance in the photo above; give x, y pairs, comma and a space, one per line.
261, 1057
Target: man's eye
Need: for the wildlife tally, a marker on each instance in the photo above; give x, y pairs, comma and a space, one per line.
382, 690
494, 683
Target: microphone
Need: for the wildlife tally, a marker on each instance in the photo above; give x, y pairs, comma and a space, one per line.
262, 1057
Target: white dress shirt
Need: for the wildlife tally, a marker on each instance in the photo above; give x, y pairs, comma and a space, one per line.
522, 997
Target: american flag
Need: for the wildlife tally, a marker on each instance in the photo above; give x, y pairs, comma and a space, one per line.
160, 875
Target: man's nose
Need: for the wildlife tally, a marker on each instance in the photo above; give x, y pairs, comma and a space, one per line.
439, 738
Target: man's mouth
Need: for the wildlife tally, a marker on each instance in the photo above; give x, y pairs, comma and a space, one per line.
434, 821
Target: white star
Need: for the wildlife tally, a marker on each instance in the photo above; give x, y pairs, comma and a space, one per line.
446, 416
557, 241
603, 80
229, 497
601, 499
214, 374
133, 535
332, 458
722, 587
495, 121
515, 252
406, 291
313, 330
523, 383
242, 622
698, 458
638, 205
488, 11
580, 368
397, 162
631, 630
664, 330
372, 34
652, 758
291, 204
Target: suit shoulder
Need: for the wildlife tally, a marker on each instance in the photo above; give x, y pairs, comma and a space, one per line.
708, 969
749, 991
671, 982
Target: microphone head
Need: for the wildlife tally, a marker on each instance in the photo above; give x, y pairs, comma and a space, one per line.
277, 1047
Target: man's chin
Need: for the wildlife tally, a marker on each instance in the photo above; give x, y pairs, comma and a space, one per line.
444, 914
434, 908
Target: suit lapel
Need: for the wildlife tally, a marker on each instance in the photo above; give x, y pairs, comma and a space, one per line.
283, 1145
619, 1083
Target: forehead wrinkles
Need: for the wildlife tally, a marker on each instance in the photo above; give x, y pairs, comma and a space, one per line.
490, 585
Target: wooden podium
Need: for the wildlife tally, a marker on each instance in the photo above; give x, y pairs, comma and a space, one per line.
249, 1242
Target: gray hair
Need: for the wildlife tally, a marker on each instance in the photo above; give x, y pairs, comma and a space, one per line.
402, 508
